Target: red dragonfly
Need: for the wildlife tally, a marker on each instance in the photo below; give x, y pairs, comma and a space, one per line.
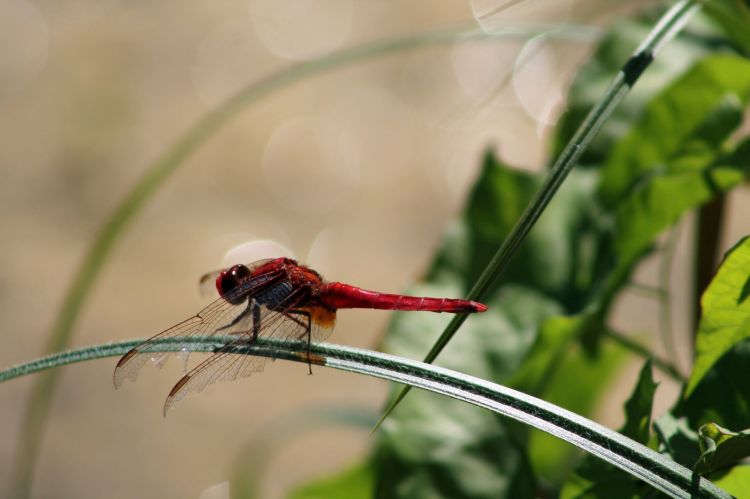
274, 298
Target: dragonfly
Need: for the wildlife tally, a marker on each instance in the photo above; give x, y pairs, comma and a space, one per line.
273, 298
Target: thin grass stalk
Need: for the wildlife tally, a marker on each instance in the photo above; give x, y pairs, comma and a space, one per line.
638, 460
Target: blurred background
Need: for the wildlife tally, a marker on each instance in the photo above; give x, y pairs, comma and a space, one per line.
356, 171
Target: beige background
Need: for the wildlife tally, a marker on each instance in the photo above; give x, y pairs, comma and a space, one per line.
357, 172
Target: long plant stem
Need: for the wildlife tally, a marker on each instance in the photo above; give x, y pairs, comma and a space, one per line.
638, 460
174, 157
667, 27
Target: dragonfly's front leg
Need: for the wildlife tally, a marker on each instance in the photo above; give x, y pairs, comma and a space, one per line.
250, 306
306, 324
256, 319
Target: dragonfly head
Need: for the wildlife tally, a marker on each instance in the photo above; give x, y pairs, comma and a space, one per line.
229, 279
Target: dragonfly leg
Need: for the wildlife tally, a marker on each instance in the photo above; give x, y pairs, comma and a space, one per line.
250, 304
306, 325
256, 319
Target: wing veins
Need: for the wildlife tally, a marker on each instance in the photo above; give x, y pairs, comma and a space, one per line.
222, 362
204, 323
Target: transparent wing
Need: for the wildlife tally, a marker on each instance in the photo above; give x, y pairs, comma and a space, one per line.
291, 324
220, 316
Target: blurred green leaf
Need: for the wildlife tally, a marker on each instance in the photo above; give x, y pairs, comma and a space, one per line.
723, 394
668, 25
693, 116
577, 382
432, 445
639, 405
671, 161
563, 256
660, 200
597, 479
721, 448
439, 449
468, 245
355, 482
736, 481
557, 256
734, 18
560, 268
677, 439
592, 80
726, 312
552, 342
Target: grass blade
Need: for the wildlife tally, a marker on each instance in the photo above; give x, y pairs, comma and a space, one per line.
653, 468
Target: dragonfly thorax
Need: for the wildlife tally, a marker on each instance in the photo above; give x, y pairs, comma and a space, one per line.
270, 285
274, 297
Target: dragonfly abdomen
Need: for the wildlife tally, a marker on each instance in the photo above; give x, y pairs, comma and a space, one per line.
339, 295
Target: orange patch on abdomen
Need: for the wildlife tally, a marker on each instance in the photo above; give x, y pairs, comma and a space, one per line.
321, 316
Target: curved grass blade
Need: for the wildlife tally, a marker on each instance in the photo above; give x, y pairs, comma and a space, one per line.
667, 27
174, 157
636, 459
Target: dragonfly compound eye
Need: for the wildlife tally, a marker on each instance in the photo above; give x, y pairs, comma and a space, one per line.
229, 279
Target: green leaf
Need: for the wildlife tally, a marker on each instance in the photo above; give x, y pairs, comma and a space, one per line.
736, 481
734, 18
597, 479
693, 115
667, 27
677, 439
431, 445
726, 312
723, 394
721, 448
577, 382
659, 201
557, 257
540, 284
671, 161
440, 449
639, 405
554, 339
354, 482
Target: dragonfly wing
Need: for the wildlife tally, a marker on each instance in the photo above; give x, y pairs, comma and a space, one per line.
207, 282
226, 365
220, 317
221, 366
